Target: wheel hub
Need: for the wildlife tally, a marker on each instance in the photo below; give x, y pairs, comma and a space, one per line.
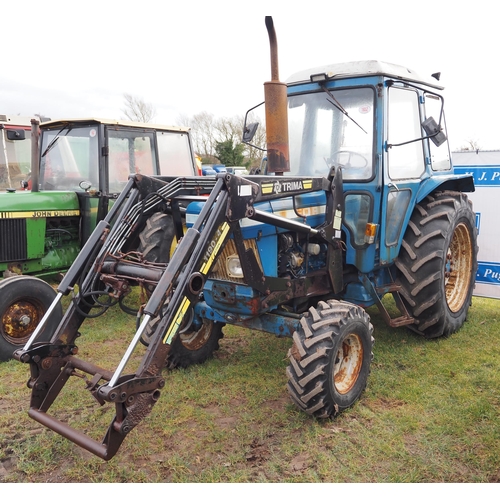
19, 320
348, 362
458, 268
195, 339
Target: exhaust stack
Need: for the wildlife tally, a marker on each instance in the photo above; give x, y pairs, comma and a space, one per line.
278, 160
35, 152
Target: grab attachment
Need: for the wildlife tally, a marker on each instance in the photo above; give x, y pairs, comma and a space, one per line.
52, 366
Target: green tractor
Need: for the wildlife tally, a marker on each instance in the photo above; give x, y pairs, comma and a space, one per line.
55, 191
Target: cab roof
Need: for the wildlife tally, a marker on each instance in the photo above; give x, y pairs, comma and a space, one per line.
118, 123
14, 120
339, 71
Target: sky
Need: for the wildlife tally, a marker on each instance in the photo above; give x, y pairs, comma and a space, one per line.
75, 59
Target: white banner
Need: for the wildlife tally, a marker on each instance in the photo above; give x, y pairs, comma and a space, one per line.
485, 166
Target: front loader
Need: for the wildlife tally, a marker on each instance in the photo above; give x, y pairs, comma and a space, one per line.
362, 204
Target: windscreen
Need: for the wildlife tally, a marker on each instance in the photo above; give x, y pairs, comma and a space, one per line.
332, 128
69, 156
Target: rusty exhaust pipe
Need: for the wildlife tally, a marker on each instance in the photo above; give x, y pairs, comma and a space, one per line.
278, 158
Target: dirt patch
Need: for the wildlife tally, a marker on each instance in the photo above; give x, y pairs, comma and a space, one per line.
383, 404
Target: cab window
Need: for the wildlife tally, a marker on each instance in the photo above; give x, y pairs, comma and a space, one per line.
406, 158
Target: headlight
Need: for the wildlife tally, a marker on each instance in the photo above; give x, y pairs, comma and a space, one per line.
233, 267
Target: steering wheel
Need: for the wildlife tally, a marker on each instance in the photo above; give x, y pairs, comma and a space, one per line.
331, 161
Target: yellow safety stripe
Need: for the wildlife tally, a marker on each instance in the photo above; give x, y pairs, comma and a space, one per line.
174, 326
206, 267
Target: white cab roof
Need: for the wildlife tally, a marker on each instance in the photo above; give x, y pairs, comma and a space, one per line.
362, 68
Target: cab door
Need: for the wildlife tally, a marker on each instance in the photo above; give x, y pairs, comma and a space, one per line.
404, 166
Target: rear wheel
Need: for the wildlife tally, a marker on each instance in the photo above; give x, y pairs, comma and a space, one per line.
330, 358
194, 344
438, 262
23, 302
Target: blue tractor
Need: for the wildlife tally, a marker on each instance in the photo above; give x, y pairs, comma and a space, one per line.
358, 201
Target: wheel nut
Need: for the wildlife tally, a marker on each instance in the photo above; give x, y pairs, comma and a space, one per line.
24, 320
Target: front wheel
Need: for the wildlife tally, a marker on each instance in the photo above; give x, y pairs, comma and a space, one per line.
23, 302
438, 262
330, 358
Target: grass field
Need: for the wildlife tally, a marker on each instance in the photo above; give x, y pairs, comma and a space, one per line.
430, 414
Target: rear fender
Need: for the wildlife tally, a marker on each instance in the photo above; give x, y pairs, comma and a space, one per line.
462, 183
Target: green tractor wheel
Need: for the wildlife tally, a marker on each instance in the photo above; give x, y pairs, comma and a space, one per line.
23, 302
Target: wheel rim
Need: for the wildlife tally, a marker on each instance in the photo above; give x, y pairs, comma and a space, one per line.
20, 319
348, 362
195, 339
458, 268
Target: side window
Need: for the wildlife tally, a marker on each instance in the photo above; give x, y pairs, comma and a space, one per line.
15, 159
130, 152
174, 154
407, 160
397, 204
440, 156
357, 213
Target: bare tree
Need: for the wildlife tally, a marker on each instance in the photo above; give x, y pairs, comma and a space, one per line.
137, 110
471, 144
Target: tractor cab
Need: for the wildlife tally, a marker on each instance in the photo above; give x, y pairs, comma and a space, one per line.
93, 158
103, 153
383, 126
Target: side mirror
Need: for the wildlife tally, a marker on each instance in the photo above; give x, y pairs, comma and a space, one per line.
249, 132
434, 131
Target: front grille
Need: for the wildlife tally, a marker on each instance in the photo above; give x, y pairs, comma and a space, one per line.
13, 245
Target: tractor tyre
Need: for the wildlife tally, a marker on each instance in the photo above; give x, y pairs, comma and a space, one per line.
437, 264
156, 238
23, 302
330, 358
192, 345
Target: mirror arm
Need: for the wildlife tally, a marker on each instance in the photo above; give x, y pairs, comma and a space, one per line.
246, 129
